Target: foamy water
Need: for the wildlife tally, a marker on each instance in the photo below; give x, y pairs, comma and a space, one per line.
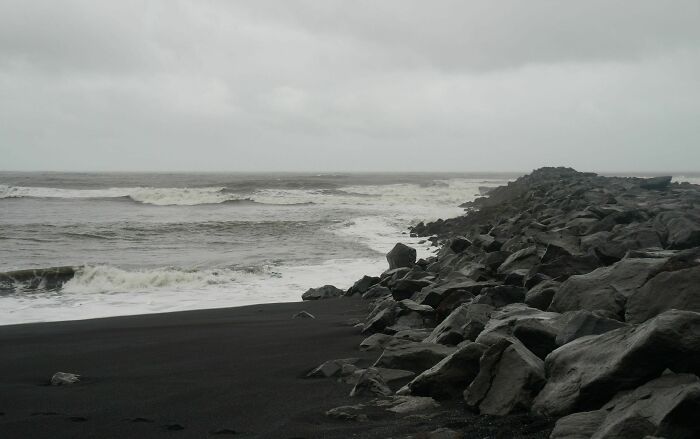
172, 243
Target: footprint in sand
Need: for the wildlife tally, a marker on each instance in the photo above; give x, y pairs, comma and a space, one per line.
77, 418
222, 432
174, 427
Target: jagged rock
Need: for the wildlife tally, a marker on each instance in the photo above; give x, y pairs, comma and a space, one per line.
537, 336
487, 243
401, 256
376, 292
509, 378
459, 244
362, 285
434, 294
411, 404
464, 323
500, 296
656, 182
495, 259
680, 230
413, 334
324, 292
666, 406
331, 368
414, 356
565, 266
606, 288
526, 259
584, 374
669, 290
376, 342
503, 322
303, 315
406, 288
449, 377
370, 383
64, 378
540, 296
582, 323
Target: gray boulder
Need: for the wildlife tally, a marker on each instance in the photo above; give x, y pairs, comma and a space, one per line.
401, 256
664, 407
606, 288
500, 295
324, 292
526, 259
331, 368
584, 374
362, 285
540, 296
509, 378
414, 356
64, 378
449, 377
582, 323
656, 182
668, 290
504, 321
464, 323
370, 383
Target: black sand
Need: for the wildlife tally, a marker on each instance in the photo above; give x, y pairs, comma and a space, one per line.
232, 372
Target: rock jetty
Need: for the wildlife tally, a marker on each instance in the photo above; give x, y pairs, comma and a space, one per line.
563, 296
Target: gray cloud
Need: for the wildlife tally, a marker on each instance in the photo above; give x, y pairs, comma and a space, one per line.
361, 85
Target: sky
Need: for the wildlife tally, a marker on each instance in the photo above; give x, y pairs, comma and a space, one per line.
361, 85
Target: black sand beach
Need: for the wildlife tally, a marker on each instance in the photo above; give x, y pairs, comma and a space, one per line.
185, 374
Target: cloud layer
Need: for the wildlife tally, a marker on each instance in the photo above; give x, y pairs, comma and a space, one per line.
349, 85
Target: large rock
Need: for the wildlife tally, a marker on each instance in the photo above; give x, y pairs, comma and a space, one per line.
332, 368
606, 288
680, 230
401, 256
371, 383
397, 316
504, 321
509, 378
656, 182
582, 323
526, 258
669, 290
584, 374
324, 292
664, 407
362, 285
414, 356
540, 296
449, 377
500, 295
464, 323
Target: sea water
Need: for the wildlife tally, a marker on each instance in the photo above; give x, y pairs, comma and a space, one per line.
150, 243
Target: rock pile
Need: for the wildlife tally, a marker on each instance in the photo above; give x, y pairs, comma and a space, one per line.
564, 294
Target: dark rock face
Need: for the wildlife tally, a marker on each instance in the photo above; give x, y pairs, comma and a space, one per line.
585, 373
656, 182
509, 378
464, 323
371, 383
324, 292
449, 377
401, 256
459, 244
582, 323
416, 357
540, 296
669, 290
362, 285
606, 288
664, 407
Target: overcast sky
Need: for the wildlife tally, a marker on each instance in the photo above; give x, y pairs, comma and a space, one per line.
349, 85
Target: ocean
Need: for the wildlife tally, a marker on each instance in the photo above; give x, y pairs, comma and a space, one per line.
149, 243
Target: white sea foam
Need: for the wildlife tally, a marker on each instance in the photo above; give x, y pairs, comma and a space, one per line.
105, 291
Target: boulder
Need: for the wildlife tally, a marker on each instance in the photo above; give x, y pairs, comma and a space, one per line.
503, 322
681, 231
362, 285
414, 356
656, 183
370, 383
401, 256
526, 259
464, 323
587, 372
449, 377
324, 292
540, 296
331, 368
582, 323
377, 342
303, 315
413, 334
509, 378
376, 292
459, 244
64, 378
406, 288
538, 336
500, 295
396, 316
668, 290
664, 407
606, 288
